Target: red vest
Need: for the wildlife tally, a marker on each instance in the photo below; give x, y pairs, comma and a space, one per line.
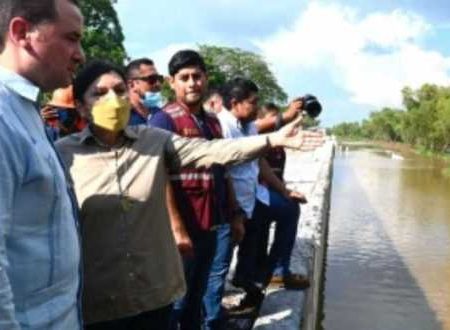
276, 157
194, 188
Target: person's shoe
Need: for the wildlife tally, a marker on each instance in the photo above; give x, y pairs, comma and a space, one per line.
248, 306
290, 282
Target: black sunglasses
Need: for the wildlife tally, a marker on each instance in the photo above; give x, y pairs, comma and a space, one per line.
151, 79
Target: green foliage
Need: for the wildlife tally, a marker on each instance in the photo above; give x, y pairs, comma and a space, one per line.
347, 130
310, 122
103, 37
384, 125
167, 92
425, 123
441, 127
225, 63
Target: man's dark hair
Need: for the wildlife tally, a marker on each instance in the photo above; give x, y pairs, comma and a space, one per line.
89, 73
267, 108
184, 59
270, 106
34, 11
213, 91
238, 89
135, 65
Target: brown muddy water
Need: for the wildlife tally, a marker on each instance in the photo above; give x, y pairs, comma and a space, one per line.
388, 257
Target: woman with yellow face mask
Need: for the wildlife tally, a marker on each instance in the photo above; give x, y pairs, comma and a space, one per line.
132, 269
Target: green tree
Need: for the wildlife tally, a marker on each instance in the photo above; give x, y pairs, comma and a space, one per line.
418, 126
381, 125
310, 122
103, 37
385, 125
409, 98
425, 123
442, 126
347, 130
225, 63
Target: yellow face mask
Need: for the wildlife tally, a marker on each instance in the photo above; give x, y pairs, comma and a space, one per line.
111, 113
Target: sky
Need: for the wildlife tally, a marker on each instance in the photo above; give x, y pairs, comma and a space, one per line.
354, 55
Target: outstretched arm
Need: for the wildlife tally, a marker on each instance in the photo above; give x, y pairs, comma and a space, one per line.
198, 152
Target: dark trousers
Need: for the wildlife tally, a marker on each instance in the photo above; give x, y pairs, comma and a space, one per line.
157, 319
187, 311
255, 265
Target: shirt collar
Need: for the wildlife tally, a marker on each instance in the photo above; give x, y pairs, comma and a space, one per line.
228, 115
86, 134
19, 84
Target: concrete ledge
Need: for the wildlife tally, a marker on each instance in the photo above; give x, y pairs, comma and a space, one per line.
319, 216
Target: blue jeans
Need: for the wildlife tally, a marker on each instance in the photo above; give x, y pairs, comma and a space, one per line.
254, 264
212, 300
187, 311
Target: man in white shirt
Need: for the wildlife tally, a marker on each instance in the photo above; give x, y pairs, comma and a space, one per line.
261, 203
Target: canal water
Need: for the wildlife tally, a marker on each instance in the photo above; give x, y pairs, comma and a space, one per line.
388, 257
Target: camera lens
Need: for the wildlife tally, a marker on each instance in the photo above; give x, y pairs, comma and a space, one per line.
311, 105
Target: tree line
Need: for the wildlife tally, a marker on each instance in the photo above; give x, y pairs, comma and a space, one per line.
424, 122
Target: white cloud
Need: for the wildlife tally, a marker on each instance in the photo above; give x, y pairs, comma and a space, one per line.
161, 57
392, 29
371, 57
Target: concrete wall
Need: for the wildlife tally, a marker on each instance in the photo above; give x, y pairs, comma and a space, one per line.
318, 217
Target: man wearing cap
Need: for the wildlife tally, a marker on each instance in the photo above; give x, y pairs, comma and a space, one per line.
60, 115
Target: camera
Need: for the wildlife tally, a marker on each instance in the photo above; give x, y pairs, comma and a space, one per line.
311, 105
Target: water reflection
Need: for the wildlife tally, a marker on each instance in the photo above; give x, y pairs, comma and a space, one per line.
388, 262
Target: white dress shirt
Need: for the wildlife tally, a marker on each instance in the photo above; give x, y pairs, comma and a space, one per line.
244, 176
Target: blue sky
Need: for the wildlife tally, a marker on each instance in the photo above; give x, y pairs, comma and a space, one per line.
356, 55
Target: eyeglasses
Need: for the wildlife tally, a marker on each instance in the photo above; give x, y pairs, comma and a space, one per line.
151, 79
